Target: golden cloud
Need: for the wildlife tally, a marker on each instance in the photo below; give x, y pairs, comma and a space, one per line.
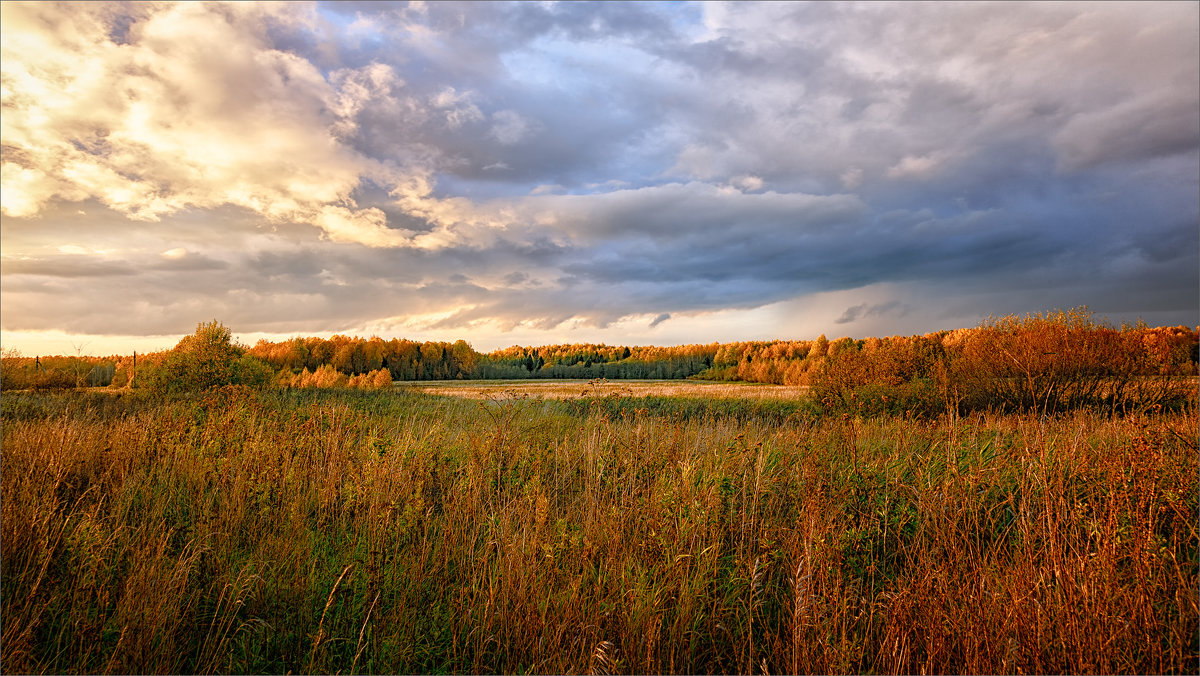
192, 109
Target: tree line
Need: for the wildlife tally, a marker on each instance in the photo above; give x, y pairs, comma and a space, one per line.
1051, 361
1044, 362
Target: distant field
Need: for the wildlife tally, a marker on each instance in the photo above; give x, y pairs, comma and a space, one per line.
567, 389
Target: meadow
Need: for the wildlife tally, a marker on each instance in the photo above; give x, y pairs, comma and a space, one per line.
398, 531
599, 387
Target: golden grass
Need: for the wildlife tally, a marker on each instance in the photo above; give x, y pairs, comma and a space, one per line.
402, 533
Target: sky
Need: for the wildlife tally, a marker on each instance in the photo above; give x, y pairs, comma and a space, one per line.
539, 173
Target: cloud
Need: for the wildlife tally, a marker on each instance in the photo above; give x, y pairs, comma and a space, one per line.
576, 167
457, 108
69, 266
363, 226
923, 166
689, 211
166, 121
856, 312
894, 87
851, 178
182, 260
76, 250
1132, 130
747, 183
509, 127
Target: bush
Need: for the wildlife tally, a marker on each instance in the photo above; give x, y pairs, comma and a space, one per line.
324, 377
52, 380
1066, 360
14, 373
894, 376
206, 359
1039, 363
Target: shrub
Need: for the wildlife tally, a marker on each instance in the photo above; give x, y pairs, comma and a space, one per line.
893, 376
15, 372
381, 379
324, 377
1064, 360
206, 359
52, 380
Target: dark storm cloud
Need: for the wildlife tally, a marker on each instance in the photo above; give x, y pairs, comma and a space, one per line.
861, 310
842, 247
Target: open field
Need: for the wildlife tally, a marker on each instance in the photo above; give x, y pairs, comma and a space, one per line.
397, 532
567, 389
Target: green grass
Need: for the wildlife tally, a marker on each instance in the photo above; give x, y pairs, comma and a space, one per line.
349, 531
759, 411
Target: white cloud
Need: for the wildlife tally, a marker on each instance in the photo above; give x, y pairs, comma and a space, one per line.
509, 127
747, 183
457, 107
24, 190
196, 110
918, 166
362, 226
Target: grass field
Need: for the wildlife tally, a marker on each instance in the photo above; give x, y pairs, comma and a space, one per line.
399, 532
569, 389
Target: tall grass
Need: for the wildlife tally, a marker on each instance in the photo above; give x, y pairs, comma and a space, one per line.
312, 531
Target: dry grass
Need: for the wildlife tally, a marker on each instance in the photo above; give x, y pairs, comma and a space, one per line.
569, 389
401, 533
